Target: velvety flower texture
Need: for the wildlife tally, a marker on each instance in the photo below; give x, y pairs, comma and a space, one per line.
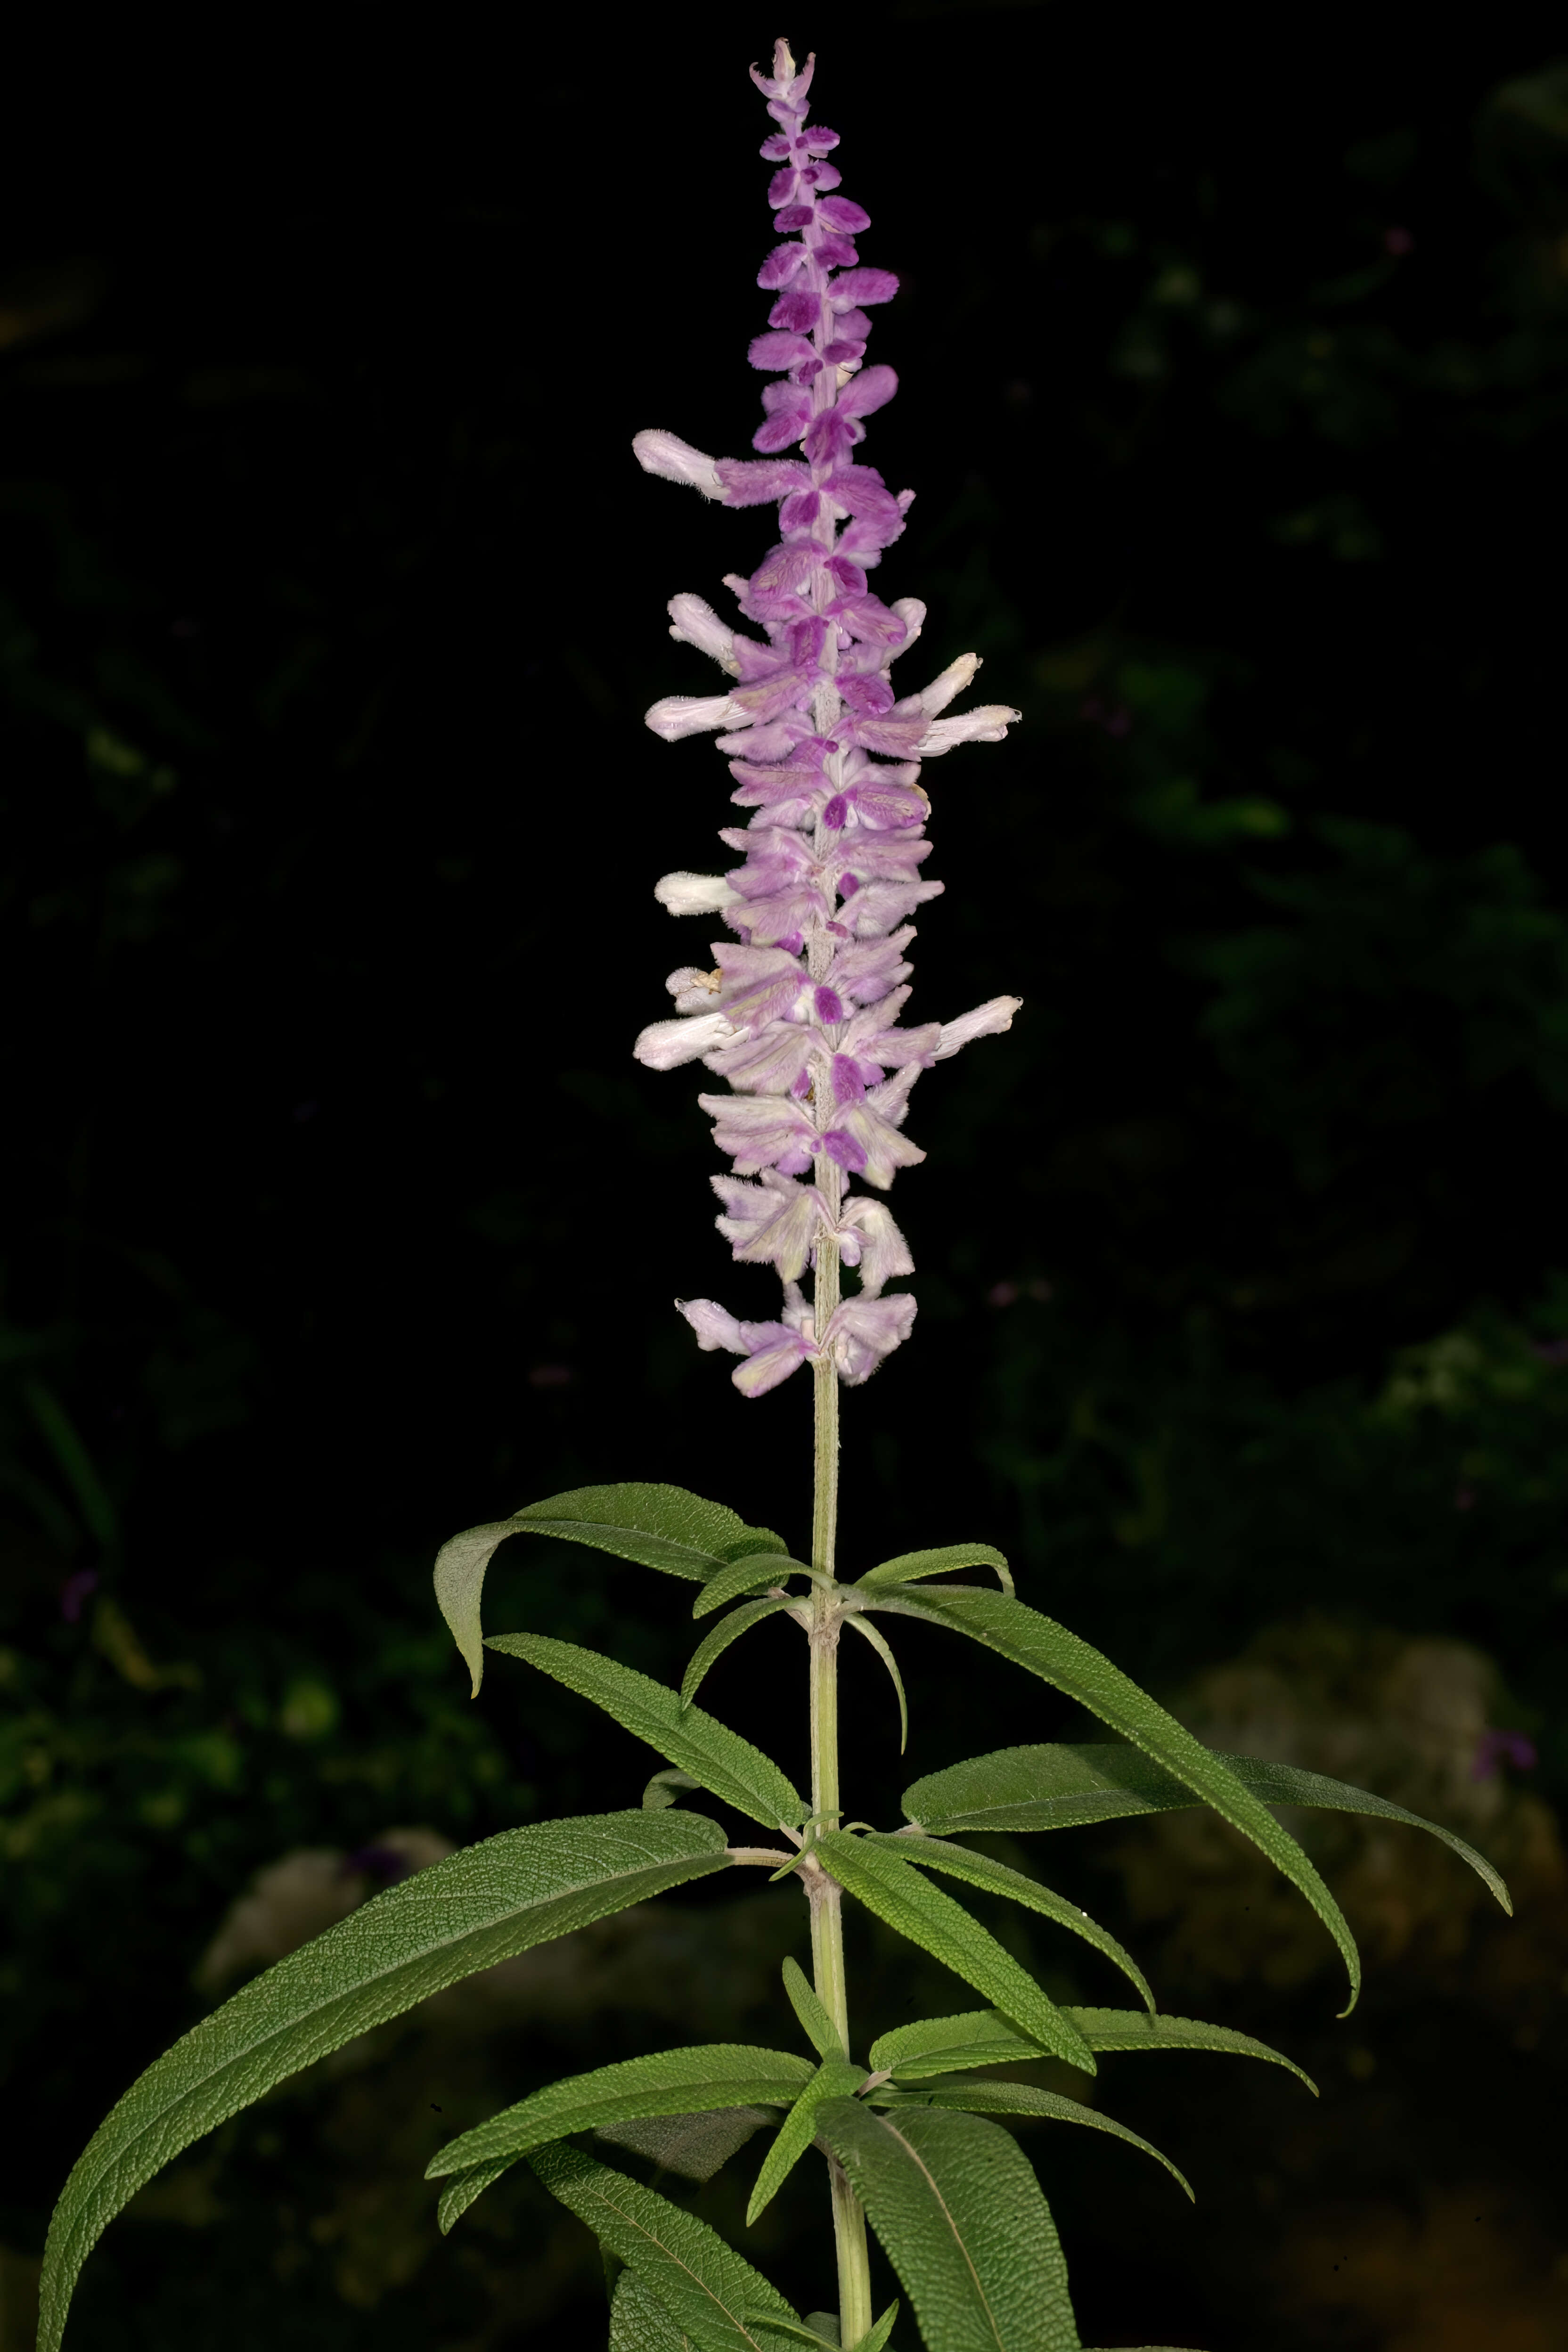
798, 1013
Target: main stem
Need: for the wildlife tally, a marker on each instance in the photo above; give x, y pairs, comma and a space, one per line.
827, 1922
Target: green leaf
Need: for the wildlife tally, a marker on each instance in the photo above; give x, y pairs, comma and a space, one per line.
909, 1566
814, 2021
879, 2334
873, 2340
864, 1625
665, 1787
959, 2214
464, 1914
463, 2187
714, 1644
995, 2099
745, 1576
657, 1527
1020, 1788
702, 2283
769, 2328
898, 1894
1058, 1657
836, 2078
638, 2321
1129, 2028
666, 2083
696, 2146
979, 1870
723, 1763
939, 2045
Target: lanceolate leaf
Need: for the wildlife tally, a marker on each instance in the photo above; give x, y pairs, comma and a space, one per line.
979, 1870
815, 2023
1058, 1657
744, 1576
714, 1644
657, 1527
477, 1907
1059, 1788
836, 2078
864, 1625
909, 1566
960, 2216
995, 2098
638, 2321
695, 2146
983, 2037
665, 1788
873, 2341
898, 1894
723, 1763
666, 2083
701, 2282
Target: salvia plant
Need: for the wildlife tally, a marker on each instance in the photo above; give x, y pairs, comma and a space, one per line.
798, 1020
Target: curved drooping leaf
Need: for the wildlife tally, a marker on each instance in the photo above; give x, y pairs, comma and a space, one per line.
1047, 1788
657, 1526
1069, 1665
981, 2097
750, 1575
983, 2037
665, 1787
478, 1907
899, 1895
695, 2146
702, 2283
910, 1565
979, 1870
814, 2021
714, 1643
863, 1625
836, 2078
723, 1763
638, 2321
959, 2213
664, 2083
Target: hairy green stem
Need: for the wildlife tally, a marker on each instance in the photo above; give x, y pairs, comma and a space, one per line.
826, 1923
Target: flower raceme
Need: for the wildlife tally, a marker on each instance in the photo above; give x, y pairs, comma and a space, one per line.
798, 1015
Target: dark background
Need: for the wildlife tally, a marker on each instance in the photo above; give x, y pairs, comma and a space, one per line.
337, 1215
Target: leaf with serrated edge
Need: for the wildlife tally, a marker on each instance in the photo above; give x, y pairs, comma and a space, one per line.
979, 1870
638, 2321
814, 2021
836, 2078
478, 1907
744, 1576
657, 1526
1129, 2028
956, 2206
725, 1764
701, 2282
1053, 1787
864, 1625
983, 2037
1045, 1648
664, 2083
463, 2187
910, 1565
714, 1644
899, 1895
993, 2098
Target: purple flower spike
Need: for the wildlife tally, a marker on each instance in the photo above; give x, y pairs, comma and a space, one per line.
798, 1019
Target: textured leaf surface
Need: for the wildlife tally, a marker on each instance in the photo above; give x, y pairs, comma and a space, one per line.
695, 2146
898, 1894
1129, 2028
664, 2083
714, 1643
1049, 1788
1058, 1657
910, 1565
665, 1788
959, 2214
657, 1527
998, 2098
814, 2021
702, 2283
983, 2037
979, 1870
723, 1763
836, 2078
864, 1626
477, 1907
638, 2321
744, 1576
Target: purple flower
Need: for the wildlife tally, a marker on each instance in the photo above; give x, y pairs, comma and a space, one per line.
798, 1014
